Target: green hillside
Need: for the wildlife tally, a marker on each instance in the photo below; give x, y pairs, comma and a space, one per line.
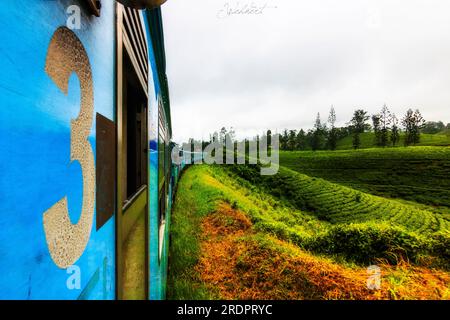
239, 235
420, 174
380, 224
368, 138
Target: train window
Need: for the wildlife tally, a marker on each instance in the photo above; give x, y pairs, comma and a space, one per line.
132, 139
134, 132
162, 222
162, 146
163, 172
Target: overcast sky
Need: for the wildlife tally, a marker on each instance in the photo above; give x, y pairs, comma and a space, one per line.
278, 68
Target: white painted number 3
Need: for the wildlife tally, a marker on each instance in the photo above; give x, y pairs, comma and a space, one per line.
67, 241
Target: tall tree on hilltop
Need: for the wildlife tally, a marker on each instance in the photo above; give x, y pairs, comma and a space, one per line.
317, 137
395, 135
284, 140
413, 123
332, 135
358, 123
385, 122
376, 129
292, 139
301, 140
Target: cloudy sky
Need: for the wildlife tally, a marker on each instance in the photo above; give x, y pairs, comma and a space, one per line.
279, 66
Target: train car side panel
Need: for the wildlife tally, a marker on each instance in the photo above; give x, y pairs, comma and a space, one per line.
54, 82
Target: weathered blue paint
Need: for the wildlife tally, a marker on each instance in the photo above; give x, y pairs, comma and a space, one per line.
35, 166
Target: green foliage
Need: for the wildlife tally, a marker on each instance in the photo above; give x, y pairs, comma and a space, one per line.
362, 242
413, 122
358, 124
433, 127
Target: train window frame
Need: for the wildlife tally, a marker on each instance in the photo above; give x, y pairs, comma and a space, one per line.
135, 127
131, 44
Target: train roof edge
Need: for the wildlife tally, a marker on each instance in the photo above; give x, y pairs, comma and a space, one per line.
154, 18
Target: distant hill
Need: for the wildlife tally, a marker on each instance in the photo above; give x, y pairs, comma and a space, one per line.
417, 174
368, 140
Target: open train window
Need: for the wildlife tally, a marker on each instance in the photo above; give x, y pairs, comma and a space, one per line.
134, 132
132, 155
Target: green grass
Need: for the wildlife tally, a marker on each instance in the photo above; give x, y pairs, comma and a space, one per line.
193, 202
368, 140
420, 174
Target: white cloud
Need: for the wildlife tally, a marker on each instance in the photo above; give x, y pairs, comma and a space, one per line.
280, 68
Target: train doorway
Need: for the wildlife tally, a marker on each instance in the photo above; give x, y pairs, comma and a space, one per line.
132, 157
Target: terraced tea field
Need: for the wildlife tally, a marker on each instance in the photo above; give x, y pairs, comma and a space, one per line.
238, 235
420, 174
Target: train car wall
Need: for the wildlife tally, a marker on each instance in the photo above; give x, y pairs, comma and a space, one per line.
54, 85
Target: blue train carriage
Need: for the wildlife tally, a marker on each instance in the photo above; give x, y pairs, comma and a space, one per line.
84, 163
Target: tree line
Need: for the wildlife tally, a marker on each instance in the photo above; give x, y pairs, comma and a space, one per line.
325, 136
385, 125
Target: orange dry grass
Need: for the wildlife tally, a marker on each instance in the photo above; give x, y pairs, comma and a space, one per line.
241, 267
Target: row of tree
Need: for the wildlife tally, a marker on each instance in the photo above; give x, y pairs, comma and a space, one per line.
325, 136
385, 126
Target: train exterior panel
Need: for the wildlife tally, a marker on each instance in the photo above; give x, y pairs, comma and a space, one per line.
69, 197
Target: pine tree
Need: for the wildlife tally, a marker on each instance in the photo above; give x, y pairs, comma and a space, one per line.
317, 137
332, 135
395, 135
292, 140
385, 118
301, 140
284, 140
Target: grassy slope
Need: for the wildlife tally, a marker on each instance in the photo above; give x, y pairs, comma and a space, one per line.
368, 138
420, 174
200, 260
